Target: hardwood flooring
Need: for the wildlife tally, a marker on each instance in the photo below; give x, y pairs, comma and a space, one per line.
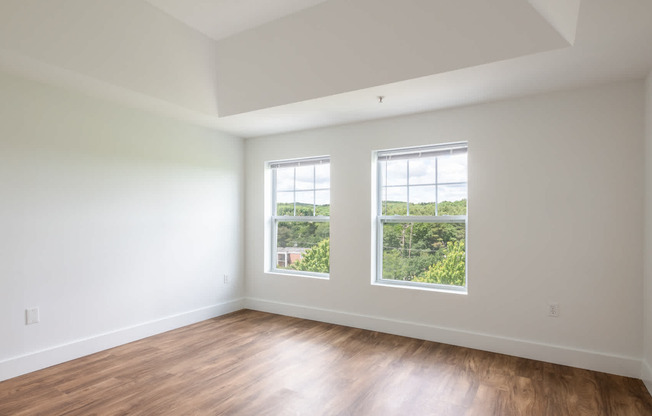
254, 363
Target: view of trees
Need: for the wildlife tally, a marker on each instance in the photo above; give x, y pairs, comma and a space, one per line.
303, 210
450, 270
425, 252
304, 234
412, 251
428, 208
316, 259
310, 235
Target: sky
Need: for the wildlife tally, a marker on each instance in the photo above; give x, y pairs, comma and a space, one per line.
424, 173
308, 178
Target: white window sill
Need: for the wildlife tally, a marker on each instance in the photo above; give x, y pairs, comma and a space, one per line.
319, 276
455, 290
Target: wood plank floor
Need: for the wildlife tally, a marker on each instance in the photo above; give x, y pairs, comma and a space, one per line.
254, 363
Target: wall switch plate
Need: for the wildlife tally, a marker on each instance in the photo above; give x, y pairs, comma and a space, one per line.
226, 278
31, 316
553, 310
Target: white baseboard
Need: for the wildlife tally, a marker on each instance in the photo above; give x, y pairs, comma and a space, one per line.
646, 375
590, 360
27, 363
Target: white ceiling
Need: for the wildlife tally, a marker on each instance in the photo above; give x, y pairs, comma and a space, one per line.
219, 19
613, 42
347, 45
132, 52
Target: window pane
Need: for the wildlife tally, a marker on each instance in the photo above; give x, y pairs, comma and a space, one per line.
305, 178
305, 200
396, 172
452, 199
303, 246
422, 171
452, 169
395, 201
284, 179
425, 252
285, 203
422, 200
323, 176
322, 199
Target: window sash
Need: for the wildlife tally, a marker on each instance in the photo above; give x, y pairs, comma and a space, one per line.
422, 219
302, 218
406, 154
411, 154
314, 189
458, 219
274, 257
276, 219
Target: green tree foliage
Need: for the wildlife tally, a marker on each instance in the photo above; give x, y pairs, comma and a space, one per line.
315, 259
305, 234
411, 250
302, 210
426, 208
421, 252
301, 234
416, 239
450, 270
397, 267
452, 207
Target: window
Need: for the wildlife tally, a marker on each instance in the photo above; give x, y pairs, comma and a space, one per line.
421, 216
301, 216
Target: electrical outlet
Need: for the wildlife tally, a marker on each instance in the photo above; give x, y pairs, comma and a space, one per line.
553, 310
31, 316
226, 278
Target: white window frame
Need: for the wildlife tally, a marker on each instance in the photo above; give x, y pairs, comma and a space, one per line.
411, 153
275, 219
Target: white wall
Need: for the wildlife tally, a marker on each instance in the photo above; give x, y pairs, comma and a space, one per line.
116, 223
647, 329
555, 207
128, 44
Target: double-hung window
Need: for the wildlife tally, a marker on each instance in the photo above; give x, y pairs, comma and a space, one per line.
301, 216
421, 216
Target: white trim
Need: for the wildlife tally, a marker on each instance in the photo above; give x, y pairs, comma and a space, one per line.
435, 150
432, 287
591, 360
557, 354
15, 366
646, 375
299, 162
290, 218
439, 219
299, 273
